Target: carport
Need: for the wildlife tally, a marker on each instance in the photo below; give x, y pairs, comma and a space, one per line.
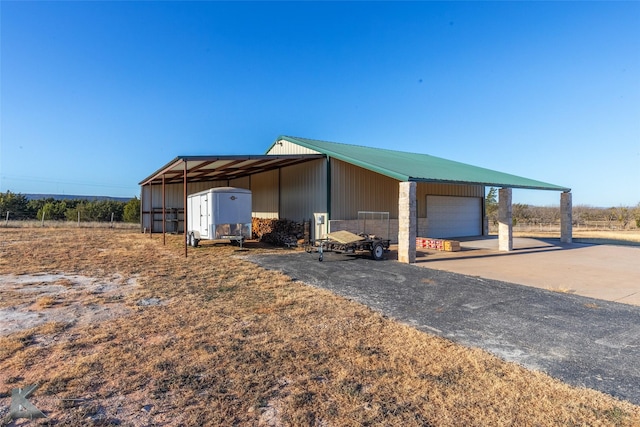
407, 215
223, 170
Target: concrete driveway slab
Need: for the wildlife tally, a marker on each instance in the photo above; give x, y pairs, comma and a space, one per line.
579, 340
605, 272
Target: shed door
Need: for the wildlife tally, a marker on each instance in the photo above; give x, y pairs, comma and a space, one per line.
204, 215
450, 216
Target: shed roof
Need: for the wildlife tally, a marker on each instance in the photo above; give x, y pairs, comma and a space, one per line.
405, 166
211, 168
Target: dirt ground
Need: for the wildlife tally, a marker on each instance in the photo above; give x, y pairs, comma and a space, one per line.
40, 295
118, 329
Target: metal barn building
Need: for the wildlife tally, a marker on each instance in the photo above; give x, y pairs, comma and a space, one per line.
337, 185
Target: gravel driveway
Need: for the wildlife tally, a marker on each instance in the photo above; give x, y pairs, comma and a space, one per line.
581, 341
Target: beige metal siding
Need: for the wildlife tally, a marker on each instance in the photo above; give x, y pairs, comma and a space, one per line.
173, 192
264, 189
286, 147
196, 187
356, 189
244, 182
145, 204
303, 190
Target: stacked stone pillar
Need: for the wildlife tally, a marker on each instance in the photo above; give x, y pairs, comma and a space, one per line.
407, 223
505, 221
566, 218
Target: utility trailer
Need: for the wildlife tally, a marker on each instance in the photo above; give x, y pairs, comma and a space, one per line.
219, 213
347, 242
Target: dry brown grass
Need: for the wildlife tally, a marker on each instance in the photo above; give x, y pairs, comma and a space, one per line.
45, 302
611, 237
216, 340
563, 290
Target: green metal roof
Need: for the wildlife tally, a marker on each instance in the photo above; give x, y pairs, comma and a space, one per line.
405, 166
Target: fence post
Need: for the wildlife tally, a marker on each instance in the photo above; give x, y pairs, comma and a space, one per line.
43, 214
78, 218
111, 220
6, 222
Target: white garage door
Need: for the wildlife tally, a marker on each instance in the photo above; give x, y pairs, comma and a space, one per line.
454, 216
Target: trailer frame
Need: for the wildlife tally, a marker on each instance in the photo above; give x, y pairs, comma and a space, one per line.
347, 242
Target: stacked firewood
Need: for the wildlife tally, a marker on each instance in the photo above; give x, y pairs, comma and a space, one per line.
279, 232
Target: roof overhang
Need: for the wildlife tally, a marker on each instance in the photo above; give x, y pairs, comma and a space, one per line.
503, 184
214, 168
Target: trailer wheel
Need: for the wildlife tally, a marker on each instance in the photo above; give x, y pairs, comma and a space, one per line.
193, 241
377, 252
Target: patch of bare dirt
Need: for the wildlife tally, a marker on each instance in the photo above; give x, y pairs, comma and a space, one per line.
30, 300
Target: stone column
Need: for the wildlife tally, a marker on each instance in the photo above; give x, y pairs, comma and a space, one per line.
566, 218
407, 223
505, 223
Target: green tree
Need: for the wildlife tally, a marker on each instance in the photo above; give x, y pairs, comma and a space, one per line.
491, 205
72, 213
75, 207
101, 210
54, 210
34, 206
636, 215
132, 210
15, 204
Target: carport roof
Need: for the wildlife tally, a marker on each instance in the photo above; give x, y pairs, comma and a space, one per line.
212, 168
406, 166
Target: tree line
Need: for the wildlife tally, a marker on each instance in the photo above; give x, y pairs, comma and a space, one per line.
620, 217
19, 207
15, 206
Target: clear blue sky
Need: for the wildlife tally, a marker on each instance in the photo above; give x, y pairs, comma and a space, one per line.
95, 96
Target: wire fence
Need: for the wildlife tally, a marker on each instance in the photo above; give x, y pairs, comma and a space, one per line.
581, 226
68, 224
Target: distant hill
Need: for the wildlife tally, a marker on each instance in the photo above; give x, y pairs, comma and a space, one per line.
75, 197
